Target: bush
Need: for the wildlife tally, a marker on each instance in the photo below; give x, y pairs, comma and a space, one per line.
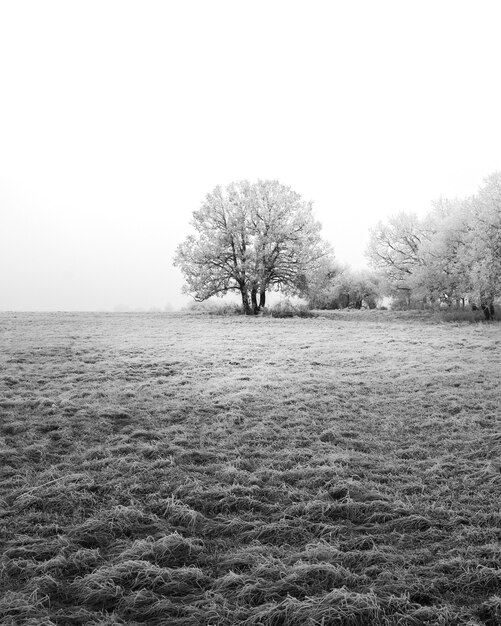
287, 309
214, 308
465, 315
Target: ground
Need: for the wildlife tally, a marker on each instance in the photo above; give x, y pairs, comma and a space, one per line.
196, 469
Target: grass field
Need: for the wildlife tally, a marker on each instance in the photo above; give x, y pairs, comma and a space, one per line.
194, 469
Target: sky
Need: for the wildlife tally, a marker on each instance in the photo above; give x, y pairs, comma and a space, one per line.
118, 117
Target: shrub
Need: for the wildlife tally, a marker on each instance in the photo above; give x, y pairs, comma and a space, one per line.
287, 309
214, 308
465, 315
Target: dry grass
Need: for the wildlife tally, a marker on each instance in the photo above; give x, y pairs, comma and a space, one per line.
200, 469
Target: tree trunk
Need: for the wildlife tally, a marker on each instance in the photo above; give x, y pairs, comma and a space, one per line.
245, 301
255, 307
262, 298
488, 309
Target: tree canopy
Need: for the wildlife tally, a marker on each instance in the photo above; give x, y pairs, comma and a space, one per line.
251, 238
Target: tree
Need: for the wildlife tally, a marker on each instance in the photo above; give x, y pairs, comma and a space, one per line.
443, 274
394, 250
483, 250
451, 255
339, 287
462, 257
322, 286
251, 238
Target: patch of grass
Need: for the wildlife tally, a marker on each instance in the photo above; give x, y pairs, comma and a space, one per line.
205, 469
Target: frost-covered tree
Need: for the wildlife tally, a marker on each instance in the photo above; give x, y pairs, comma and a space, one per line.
452, 255
482, 253
339, 287
443, 274
251, 238
395, 250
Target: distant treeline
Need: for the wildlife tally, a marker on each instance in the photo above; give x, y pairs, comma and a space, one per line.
452, 257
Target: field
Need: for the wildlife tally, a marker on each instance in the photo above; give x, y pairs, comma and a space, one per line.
203, 470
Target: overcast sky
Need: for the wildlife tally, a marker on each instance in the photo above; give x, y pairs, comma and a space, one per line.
117, 118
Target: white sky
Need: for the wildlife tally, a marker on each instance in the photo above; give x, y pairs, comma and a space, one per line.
117, 118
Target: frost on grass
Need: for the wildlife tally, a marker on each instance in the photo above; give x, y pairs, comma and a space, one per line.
209, 470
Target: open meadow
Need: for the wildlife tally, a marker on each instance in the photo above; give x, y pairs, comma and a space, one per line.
205, 470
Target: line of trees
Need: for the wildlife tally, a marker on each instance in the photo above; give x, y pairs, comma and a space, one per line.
451, 256
252, 238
